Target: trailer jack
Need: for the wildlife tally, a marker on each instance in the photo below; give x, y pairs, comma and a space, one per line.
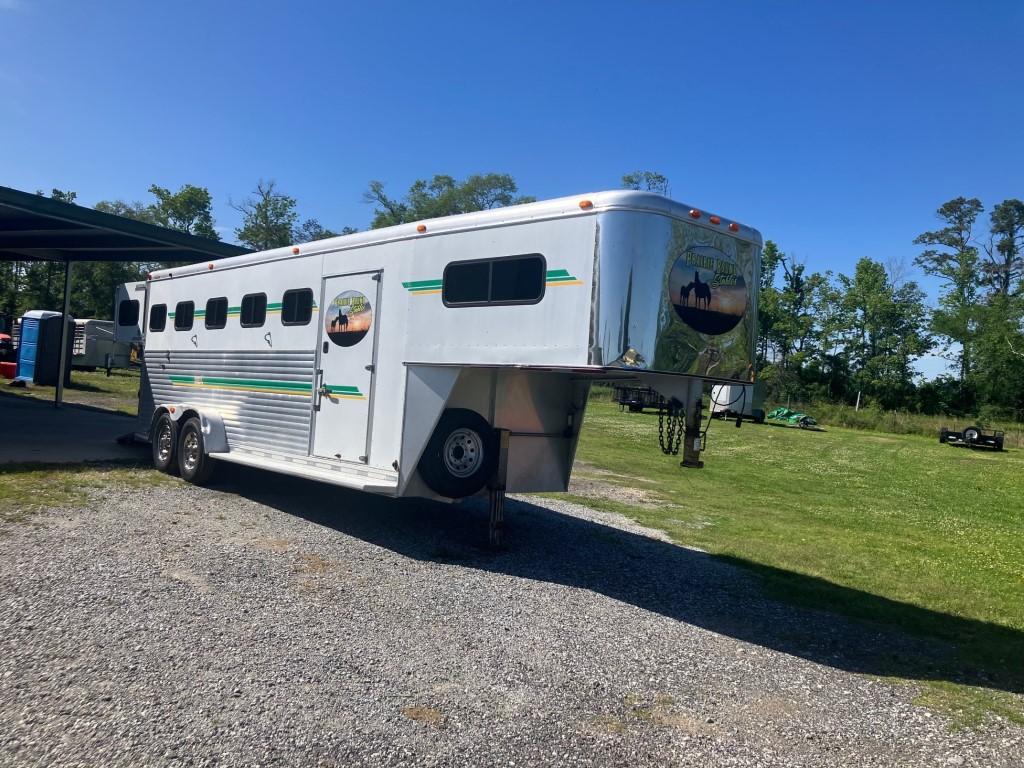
496, 493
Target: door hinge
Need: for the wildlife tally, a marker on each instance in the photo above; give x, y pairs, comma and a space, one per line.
371, 368
363, 459
375, 276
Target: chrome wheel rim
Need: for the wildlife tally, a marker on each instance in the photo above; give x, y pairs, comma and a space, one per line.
190, 450
164, 443
463, 452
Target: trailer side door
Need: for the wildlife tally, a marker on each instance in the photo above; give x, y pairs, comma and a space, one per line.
346, 358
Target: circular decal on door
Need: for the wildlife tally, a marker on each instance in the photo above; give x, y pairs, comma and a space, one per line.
348, 318
707, 291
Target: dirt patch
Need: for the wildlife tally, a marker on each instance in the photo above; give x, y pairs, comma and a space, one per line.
426, 715
592, 487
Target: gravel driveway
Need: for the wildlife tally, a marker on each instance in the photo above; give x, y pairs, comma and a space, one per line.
275, 621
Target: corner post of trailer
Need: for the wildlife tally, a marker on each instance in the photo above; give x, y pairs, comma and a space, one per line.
496, 492
58, 396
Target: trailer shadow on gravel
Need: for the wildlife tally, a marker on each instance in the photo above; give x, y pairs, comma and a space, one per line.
725, 595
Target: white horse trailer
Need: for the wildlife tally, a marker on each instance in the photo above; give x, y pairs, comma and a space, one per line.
441, 358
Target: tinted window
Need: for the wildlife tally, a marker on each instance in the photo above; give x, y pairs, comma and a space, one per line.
158, 317
297, 307
217, 313
183, 313
467, 283
515, 280
254, 310
128, 313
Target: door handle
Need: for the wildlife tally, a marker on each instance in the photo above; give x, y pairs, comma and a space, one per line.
320, 390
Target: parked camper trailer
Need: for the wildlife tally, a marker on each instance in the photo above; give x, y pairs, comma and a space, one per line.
441, 358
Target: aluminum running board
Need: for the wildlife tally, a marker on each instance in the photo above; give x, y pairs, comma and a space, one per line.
345, 474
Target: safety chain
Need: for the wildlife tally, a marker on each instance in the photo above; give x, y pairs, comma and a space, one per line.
671, 437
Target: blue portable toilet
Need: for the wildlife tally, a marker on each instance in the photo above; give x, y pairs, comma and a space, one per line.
39, 348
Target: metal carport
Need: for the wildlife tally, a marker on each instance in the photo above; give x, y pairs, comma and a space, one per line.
37, 228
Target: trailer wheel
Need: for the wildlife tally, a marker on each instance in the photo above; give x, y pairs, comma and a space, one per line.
164, 440
460, 455
193, 463
971, 435
943, 435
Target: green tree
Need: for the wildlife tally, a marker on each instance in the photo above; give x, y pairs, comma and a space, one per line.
885, 332
768, 299
649, 181
1004, 269
190, 210
268, 219
953, 258
135, 210
443, 196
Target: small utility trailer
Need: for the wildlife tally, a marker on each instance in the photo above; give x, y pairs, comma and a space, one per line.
972, 437
637, 398
447, 357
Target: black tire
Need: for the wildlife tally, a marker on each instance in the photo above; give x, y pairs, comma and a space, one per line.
633, 408
461, 454
943, 435
971, 435
999, 443
193, 463
164, 441
758, 416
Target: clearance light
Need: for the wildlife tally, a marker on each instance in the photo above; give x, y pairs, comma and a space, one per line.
149, 275
295, 250
421, 228
714, 220
734, 227
694, 213
586, 205
210, 265
171, 409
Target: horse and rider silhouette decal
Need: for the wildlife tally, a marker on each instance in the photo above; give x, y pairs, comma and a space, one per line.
707, 291
348, 318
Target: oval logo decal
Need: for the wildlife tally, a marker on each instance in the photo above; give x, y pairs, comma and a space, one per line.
707, 290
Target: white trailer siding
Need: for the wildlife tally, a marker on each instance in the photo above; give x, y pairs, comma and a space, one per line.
615, 303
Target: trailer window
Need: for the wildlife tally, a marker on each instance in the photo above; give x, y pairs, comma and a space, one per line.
216, 313
158, 317
128, 313
297, 307
183, 314
511, 280
254, 310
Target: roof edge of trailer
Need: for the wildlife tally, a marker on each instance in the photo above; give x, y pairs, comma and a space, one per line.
563, 207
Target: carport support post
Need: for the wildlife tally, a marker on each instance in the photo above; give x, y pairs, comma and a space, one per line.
58, 396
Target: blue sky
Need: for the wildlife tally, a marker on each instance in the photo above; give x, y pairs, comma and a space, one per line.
836, 129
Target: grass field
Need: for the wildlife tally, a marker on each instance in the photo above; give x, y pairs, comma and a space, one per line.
893, 529
117, 392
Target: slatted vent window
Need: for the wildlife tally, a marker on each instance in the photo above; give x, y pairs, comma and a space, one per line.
254, 310
297, 307
216, 313
491, 282
183, 314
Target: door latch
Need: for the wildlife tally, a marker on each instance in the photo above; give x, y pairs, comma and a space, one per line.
320, 389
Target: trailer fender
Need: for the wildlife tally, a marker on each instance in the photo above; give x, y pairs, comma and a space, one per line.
215, 437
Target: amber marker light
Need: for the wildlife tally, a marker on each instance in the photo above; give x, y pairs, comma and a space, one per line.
210, 265
734, 227
586, 205
421, 227
295, 250
694, 213
715, 219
